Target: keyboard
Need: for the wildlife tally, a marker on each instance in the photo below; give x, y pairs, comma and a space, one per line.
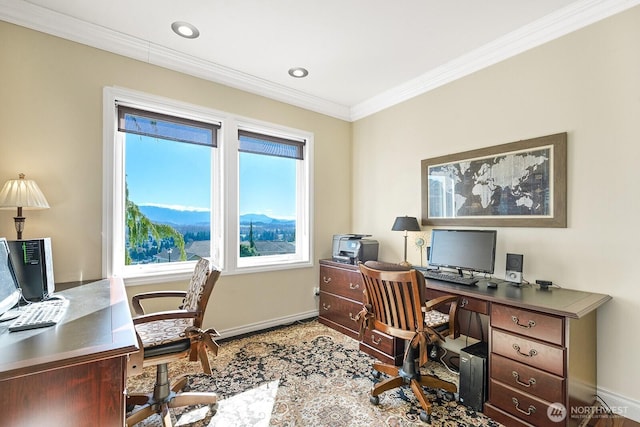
452, 278
40, 315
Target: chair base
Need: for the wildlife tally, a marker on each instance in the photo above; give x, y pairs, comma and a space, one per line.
399, 378
163, 398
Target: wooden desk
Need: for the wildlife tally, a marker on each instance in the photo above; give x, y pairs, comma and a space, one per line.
542, 349
542, 343
71, 374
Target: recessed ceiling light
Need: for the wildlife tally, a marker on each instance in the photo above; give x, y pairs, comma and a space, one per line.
298, 72
184, 29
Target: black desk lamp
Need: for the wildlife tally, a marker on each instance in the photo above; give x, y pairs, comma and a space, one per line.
405, 223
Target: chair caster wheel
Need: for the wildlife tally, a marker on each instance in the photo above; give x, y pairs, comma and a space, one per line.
424, 417
449, 397
374, 399
376, 374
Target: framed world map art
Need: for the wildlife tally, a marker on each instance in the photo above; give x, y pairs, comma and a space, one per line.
519, 184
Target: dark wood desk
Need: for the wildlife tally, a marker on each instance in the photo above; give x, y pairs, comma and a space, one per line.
74, 373
542, 349
542, 343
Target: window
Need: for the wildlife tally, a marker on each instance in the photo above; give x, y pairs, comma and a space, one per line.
167, 171
183, 182
270, 171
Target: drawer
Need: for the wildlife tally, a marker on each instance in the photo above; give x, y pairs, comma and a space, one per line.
339, 310
467, 303
394, 358
504, 418
473, 304
381, 342
533, 353
341, 282
530, 323
521, 405
526, 378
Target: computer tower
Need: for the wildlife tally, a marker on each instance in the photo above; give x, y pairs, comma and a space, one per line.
33, 264
473, 375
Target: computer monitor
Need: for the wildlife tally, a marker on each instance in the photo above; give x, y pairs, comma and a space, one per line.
9, 289
472, 250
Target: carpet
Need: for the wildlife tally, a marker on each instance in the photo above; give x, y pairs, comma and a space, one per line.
301, 375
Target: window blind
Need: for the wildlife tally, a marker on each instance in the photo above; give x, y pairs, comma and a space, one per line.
157, 125
257, 143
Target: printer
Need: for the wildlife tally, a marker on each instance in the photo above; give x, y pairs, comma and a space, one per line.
353, 248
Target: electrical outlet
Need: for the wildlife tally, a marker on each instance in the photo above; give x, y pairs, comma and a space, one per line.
316, 291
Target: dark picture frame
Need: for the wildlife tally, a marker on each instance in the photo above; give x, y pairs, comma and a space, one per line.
518, 184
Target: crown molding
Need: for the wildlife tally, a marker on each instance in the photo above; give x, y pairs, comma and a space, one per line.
564, 21
47, 21
571, 18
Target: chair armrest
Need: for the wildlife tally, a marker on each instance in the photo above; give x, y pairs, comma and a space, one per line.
164, 315
452, 300
136, 299
436, 302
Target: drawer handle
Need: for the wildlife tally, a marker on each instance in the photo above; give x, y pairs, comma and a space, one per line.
326, 279
529, 411
352, 286
532, 352
464, 302
326, 307
352, 317
373, 340
529, 383
529, 324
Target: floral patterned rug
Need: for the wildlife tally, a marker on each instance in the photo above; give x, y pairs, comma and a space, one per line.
301, 375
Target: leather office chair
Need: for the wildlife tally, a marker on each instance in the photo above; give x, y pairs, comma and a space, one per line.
394, 304
171, 335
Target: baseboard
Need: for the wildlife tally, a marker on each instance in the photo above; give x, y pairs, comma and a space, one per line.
267, 324
620, 405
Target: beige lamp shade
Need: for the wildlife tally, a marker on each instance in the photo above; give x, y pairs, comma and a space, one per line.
21, 194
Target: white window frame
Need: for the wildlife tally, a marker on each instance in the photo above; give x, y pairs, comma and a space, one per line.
303, 206
224, 199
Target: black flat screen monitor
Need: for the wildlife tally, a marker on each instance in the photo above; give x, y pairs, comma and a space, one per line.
9, 289
473, 250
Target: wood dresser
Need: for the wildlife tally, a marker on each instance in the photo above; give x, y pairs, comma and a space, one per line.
73, 373
341, 299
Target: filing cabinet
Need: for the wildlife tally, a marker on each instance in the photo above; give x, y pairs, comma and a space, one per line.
341, 297
530, 361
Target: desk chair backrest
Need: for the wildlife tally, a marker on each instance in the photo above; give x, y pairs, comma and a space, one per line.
395, 301
200, 287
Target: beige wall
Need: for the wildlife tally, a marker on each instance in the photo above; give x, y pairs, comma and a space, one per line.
586, 84
51, 129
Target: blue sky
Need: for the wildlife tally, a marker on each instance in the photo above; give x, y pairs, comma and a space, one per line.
173, 174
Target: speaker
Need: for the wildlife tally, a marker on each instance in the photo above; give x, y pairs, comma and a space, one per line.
473, 375
514, 268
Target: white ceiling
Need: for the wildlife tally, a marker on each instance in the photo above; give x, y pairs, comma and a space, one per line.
362, 55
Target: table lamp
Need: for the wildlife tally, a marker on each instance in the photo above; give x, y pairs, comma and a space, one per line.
22, 194
405, 223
